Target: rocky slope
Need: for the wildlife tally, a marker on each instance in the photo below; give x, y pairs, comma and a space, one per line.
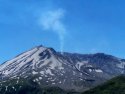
67, 71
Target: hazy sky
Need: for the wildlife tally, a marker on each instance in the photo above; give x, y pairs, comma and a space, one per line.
84, 26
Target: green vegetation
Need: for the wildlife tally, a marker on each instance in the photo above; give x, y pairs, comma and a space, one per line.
113, 86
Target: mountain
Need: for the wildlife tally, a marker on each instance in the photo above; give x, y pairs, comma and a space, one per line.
68, 71
113, 86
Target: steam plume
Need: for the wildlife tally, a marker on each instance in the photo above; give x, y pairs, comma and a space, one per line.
52, 21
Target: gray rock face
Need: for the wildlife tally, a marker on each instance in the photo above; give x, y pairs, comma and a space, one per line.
67, 71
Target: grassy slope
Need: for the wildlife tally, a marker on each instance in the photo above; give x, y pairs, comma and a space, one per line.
113, 86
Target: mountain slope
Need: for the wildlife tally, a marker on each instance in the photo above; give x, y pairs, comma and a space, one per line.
27, 86
67, 71
113, 86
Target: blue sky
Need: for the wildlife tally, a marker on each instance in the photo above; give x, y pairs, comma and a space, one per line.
84, 26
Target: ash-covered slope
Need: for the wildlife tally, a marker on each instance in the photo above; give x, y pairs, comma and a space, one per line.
67, 71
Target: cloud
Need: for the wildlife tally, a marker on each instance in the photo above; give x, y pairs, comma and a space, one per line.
52, 21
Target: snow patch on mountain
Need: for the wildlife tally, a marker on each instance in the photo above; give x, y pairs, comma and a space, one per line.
121, 65
80, 64
98, 70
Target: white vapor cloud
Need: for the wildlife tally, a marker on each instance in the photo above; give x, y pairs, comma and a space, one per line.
52, 21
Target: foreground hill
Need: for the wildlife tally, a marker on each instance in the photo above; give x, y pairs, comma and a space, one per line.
113, 86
